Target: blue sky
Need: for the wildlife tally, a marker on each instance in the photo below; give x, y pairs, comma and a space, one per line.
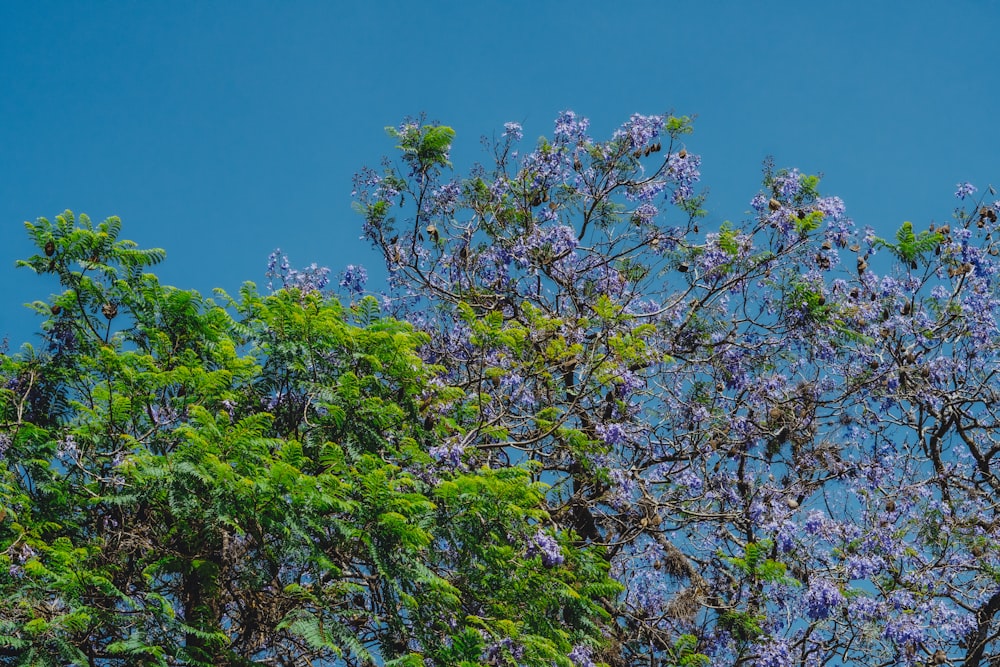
221, 130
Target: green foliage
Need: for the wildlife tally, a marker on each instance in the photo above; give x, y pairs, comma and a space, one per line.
910, 247
424, 145
186, 482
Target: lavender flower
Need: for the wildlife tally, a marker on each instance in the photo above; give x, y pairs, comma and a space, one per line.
353, 278
545, 545
775, 653
513, 131
580, 655
964, 190
822, 599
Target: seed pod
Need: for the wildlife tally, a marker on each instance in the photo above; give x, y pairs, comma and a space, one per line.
774, 204
110, 310
683, 267
695, 229
890, 505
944, 230
855, 247
682, 153
792, 503
50, 248
576, 163
432, 232
939, 657
56, 309
827, 245
862, 265
821, 300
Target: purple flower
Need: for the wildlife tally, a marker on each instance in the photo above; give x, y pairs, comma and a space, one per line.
311, 279
822, 599
513, 130
545, 545
612, 434
904, 632
353, 278
640, 130
569, 129
449, 452
775, 653
580, 655
964, 190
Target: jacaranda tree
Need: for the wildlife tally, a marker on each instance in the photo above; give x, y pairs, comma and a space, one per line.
779, 432
251, 482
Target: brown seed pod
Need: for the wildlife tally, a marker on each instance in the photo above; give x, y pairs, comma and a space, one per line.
50, 248
683, 267
862, 265
682, 153
827, 245
56, 309
774, 204
109, 310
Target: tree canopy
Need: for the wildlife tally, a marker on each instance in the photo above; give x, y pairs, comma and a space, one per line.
581, 426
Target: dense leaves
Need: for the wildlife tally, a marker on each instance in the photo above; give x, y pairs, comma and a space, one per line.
249, 482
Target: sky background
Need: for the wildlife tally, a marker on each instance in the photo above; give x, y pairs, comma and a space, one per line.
222, 130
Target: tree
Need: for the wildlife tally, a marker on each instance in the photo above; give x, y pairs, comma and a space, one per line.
782, 438
249, 482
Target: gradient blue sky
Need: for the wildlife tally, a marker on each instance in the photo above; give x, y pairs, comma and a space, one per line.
221, 130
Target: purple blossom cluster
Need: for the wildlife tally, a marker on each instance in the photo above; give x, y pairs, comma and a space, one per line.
353, 279
546, 546
963, 190
823, 599
581, 656
790, 378
313, 278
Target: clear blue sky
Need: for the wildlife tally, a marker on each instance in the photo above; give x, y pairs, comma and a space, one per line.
221, 130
